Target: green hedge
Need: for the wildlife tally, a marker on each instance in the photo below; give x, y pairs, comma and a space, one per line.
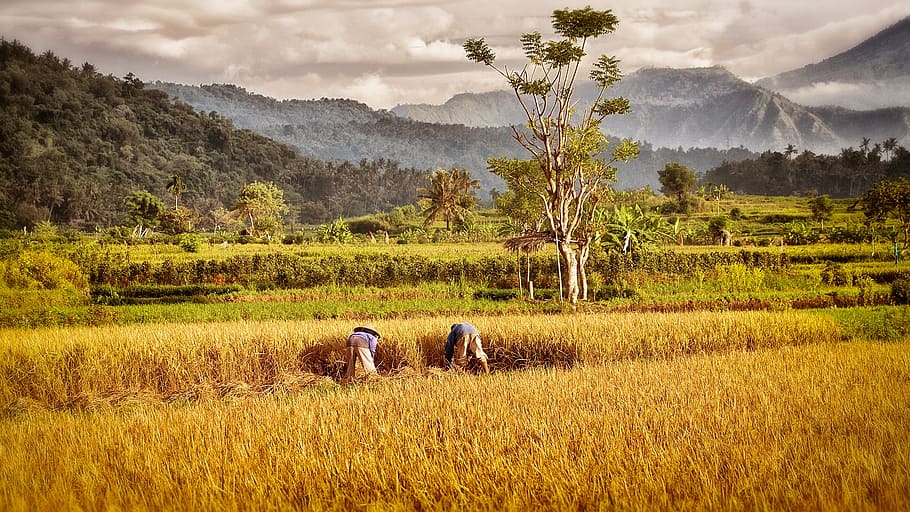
379, 269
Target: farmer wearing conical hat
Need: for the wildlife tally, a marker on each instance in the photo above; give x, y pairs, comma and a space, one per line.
464, 339
361, 345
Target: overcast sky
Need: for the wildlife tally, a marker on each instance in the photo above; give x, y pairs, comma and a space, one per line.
387, 52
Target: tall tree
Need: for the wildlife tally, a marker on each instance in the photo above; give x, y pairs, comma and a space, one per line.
822, 208
143, 208
449, 196
176, 186
789, 151
676, 180
889, 199
564, 140
889, 145
263, 204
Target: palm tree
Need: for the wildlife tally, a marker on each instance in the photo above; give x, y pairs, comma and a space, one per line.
789, 151
864, 146
889, 145
449, 197
176, 186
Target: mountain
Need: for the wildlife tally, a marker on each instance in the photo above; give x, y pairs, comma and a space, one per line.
338, 129
75, 143
490, 109
332, 129
873, 74
711, 107
699, 107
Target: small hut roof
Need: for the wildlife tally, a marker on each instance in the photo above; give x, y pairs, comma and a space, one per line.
529, 242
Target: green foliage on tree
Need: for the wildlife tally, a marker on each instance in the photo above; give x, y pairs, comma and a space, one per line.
822, 208
263, 204
176, 221
676, 180
628, 229
336, 232
566, 170
143, 209
524, 211
890, 200
449, 196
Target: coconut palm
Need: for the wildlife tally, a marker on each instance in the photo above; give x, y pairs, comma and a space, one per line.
889, 145
176, 186
789, 151
449, 196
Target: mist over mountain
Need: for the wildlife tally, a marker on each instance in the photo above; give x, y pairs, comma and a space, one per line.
872, 74
698, 107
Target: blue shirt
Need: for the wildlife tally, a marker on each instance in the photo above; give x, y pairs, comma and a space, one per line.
363, 340
458, 331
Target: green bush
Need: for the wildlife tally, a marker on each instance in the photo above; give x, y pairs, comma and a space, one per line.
41, 270
900, 291
189, 242
368, 225
834, 275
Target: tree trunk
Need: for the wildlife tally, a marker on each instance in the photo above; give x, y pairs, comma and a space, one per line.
583, 252
569, 271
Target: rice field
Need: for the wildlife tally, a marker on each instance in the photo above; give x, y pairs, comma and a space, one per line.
80, 366
709, 410
818, 426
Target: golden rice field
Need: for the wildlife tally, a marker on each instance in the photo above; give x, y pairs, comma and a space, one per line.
85, 366
697, 411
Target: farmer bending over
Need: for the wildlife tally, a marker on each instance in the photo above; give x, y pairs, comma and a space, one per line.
361, 345
464, 339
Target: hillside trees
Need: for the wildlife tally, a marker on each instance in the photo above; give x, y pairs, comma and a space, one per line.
846, 174
565, 171
74, 144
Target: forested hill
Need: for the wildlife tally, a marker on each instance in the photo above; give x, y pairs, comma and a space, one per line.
74, 143
344, 129
341, 129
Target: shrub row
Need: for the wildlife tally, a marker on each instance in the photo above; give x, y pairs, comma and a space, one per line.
277, 270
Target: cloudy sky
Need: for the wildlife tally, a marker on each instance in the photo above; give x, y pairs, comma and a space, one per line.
387, 52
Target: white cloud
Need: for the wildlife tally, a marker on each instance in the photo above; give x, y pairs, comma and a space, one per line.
386, 51
859, 96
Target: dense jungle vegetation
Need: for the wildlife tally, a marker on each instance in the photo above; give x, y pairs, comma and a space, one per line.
851, 173
74, 143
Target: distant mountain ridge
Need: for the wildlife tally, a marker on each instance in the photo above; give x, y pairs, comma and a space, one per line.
696, 107
334, 130
251, 110
872, 74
